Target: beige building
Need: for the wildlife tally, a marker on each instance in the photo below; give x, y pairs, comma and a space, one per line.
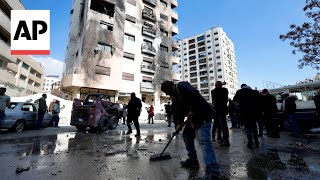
207, 58
121, 46
20, 74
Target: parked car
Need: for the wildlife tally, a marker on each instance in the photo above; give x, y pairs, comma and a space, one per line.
22, 115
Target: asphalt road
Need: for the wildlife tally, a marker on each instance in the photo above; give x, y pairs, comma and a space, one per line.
65, 153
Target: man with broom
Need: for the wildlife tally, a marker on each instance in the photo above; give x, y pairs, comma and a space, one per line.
190, 103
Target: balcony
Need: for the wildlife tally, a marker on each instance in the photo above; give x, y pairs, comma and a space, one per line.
174, 30
174, 15
174, 3
174, 59
175, 46
32, 77
148, 15
5, 52
6, 76
149, 30
147, 87
5, 21
151, 2
13, 67
148, 49
148, 67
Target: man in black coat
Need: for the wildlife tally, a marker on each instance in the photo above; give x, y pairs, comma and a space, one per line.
189, 102
317, 103
269, 109
220, 100
249, 108
134, 109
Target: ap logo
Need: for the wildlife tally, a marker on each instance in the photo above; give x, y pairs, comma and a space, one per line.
30, 32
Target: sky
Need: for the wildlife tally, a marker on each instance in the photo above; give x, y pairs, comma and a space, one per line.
254, 27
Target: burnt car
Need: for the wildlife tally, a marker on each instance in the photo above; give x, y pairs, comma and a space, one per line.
22, 115
95, 111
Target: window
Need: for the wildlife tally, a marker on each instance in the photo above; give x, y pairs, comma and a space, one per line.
165, 33
130, 18
22, 77
164, 48
209, 53
217, 45
202, 49
201, 44
200, 38
128, 56
164, 17
26, 66
192, 57
219, 63
164, 3
208, 41
102, 7
129, 37
104, 47
102, 70
216, 39
191, 41
132, 2
208, 35
27, 107
106, 25
192, 46
211, 71
192, 52
217, 51
215, 33
219, 70
220, 76
218, 57
127, 76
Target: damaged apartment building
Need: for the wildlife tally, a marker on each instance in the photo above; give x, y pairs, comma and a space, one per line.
121, 46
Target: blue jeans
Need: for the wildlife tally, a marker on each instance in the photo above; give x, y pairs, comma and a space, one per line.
293, 123
2, 115
56, 120
203, 135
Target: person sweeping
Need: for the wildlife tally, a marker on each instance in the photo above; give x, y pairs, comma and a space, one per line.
189, 102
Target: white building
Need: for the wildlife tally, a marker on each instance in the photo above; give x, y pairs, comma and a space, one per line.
21, 75
121, 46
49, 81
207, 58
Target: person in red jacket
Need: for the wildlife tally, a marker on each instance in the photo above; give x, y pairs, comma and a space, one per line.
150, 114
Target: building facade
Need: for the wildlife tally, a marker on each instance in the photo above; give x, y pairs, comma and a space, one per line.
49, 81
121, 46
207, 58
21, 75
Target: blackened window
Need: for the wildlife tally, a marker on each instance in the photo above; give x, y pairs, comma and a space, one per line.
106, 25
102, 70
164, 48
103, 7
164, 17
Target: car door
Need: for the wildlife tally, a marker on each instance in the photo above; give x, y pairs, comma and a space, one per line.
29, 114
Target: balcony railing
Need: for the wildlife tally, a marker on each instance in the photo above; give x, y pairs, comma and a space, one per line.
148, 67
147, 87
148, 15
151, 2
174, 14
149, 30
7, 76
5, 21
148, 49
5, 52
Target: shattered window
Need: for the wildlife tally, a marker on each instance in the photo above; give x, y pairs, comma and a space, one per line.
103, 7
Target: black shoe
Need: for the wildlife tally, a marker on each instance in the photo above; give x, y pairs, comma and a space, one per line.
249, 145
129, 132
137, 135
210, 176
220, 141
148, 122
194, 164
227, 144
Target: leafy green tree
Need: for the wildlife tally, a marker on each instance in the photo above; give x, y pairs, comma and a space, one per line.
306, 37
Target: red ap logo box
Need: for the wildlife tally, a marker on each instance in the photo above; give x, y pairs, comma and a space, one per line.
30, 32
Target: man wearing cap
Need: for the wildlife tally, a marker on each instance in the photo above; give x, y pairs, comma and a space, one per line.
189, 102
4, 103
41, 110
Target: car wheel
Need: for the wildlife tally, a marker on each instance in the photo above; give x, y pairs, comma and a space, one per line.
103, 124
81, 128
19, 126
113, 122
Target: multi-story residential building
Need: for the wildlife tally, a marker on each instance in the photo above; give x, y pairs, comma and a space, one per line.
121, 46
22, 75
49, 81
207, 58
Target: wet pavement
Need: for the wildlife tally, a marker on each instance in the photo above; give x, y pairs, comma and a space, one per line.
66, 153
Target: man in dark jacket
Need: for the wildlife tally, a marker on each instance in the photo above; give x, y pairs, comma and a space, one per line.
220, 100
249, 106
189, 102
43, 108
269, 108
168, 108
134, 109
317, 103
290, 110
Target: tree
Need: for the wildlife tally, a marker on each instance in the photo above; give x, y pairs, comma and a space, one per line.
306, 38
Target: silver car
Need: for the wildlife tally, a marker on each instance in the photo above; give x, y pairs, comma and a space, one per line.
22, 115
